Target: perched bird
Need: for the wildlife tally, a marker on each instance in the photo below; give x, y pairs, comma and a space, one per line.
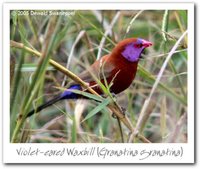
118, 67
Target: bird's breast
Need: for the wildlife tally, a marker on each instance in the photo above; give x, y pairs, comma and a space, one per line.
122, 77
118, 72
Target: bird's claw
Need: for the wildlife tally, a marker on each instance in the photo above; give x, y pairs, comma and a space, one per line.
113, 95
123, 110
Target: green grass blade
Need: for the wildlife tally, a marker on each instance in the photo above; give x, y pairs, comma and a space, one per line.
97, 109
147, 76
173, 68
165, 24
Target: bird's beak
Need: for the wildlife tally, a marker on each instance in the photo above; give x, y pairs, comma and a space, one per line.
146, 44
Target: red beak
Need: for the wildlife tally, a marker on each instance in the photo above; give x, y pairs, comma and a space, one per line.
146, 44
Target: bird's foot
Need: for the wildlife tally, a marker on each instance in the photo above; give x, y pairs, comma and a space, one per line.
113, 95
123, 110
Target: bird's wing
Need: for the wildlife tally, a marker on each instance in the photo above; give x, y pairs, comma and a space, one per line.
96, 70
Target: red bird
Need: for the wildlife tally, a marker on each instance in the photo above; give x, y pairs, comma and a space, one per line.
118, 67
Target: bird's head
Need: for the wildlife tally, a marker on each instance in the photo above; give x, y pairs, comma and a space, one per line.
132, 48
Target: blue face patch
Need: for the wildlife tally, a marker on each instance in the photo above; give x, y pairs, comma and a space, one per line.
132, 52
139, 41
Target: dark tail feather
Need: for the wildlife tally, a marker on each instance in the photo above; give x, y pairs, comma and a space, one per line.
49, 103
65, 95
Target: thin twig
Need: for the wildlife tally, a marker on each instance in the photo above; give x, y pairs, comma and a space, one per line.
80, 35
165, 65
54, 64
100, 19
148, 100
109, 28
132, 20
178, 128
164, 54
120, 129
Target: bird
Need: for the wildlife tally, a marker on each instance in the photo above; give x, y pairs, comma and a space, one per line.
119, 68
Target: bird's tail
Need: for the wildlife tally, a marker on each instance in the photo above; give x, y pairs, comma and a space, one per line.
47, 104
65, 95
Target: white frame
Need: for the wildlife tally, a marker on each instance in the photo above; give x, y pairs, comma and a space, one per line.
9, 149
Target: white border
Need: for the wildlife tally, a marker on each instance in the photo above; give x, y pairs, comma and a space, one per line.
99, 6
9, 149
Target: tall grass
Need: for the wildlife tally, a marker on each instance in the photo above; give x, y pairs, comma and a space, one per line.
156, 102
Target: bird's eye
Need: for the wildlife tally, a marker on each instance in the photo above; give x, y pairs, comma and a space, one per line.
138, 45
